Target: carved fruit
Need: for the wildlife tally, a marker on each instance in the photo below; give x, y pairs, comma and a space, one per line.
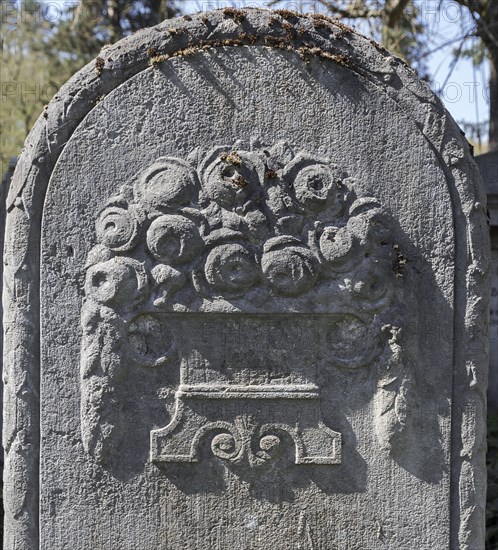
231, 268
315, 186
169, 281
340, 248
290, 267
174, 239
117, 229
118, 280
168, 183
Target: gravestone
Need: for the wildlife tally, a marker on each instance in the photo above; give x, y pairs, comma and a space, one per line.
488, 166
4, 185
245, 288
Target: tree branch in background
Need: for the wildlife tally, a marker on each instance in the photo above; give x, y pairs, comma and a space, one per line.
394, 12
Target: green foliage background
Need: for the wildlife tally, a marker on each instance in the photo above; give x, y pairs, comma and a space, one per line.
43, 47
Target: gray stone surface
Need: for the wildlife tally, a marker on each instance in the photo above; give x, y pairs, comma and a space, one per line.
4, 186
488, 165
246, 300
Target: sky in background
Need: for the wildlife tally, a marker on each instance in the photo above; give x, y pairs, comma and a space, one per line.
462, 87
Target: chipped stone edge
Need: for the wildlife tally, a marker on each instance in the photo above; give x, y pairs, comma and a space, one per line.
308, 35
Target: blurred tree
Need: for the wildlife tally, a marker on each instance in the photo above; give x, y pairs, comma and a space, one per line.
485, 16
43, 47
28, 73
90, 24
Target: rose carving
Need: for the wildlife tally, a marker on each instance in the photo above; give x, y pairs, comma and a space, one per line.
119, 280
116, 228
270, 222
168, 183
173, 239
233, 177
231, 267
290, 267
315, 184
250, 224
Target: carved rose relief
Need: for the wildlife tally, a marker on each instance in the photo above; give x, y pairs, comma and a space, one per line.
236, 230
238, 219
231, 268
290, 267
173, 239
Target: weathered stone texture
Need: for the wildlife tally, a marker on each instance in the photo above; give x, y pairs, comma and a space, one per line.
254, 254
488, 166
4, 186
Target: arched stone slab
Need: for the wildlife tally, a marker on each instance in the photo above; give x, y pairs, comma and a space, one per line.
245, 296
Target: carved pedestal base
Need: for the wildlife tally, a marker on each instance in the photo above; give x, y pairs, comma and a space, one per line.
247, 423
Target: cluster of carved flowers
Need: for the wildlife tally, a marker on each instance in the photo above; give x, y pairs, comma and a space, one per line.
238, 224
